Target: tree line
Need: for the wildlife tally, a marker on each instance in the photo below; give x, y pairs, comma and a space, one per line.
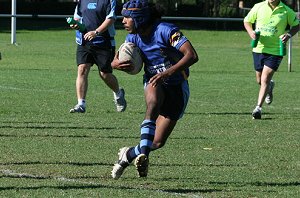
215, 8
184, 8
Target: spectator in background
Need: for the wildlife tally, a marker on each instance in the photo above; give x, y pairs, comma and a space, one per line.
96, 45
271, 18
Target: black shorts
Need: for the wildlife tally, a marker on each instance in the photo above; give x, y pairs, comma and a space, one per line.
93, 54
262, 59
176, 99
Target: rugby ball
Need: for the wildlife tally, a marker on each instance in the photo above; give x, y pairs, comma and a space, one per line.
129, 51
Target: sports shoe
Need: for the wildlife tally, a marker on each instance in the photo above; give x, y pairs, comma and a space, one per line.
256, 114
122, 163
77, 109
141, 163
269, 97
120, 102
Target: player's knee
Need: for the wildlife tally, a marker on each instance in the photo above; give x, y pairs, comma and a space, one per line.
83, 70
258, 80
105, 76
157, 145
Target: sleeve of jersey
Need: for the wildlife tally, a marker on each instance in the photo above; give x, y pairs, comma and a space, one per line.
77, 14
111, 11
176, 38
252, 15
129, 38
292, 18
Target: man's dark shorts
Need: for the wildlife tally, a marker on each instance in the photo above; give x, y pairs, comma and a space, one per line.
261, 59
102, 57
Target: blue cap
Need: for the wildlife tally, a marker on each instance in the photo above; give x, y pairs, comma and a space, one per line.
138, 10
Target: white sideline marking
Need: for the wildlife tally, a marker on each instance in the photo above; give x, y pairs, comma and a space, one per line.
26, 175
27, 89
64, 179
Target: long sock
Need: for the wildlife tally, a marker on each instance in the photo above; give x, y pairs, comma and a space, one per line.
147, 136
133, 153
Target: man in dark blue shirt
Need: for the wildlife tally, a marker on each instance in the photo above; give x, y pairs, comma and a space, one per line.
96, 45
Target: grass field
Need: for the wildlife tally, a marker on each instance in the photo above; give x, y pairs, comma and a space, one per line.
216, 150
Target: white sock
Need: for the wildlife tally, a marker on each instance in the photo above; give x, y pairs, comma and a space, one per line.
81, 102
118, 94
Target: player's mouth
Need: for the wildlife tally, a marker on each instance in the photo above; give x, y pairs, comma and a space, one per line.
126, 27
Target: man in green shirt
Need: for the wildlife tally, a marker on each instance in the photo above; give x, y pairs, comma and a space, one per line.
271, 18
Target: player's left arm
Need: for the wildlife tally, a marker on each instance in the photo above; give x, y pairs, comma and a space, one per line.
109, 20
190, 57
294, 24
121, 65
102, 28
291, 33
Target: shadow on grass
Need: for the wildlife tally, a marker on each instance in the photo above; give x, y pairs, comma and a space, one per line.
55, 163
90, 136
224, 113
258, 183
48, 125
177, 192
63, 187
101, 186
56, 127
235, 113
109, 164
79, 184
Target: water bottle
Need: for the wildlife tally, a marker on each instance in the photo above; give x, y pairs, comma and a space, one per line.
255, 41
282, 47
72, 21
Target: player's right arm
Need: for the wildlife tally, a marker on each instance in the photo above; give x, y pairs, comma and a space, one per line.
121, 65
76, 17
249, 29
250, 19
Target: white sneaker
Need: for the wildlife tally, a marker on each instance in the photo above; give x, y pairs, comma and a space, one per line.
78, 109
256, 114
120, 102
269, 97
141, 163
122, 163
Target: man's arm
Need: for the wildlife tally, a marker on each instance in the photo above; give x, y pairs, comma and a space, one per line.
290, 34
104, 26
249, 29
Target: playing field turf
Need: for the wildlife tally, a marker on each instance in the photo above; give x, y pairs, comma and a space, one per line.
216, 150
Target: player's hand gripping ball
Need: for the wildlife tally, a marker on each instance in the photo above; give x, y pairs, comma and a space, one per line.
129, 51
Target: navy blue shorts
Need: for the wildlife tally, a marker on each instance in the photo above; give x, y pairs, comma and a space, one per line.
92, 54
261, 59
175, 101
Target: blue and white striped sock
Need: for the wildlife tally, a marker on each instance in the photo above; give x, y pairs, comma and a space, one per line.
147, 136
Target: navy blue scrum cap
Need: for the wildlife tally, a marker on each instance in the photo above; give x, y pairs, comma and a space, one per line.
138, 10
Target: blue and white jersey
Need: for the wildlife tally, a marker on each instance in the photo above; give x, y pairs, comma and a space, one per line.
92, 14
161, 50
